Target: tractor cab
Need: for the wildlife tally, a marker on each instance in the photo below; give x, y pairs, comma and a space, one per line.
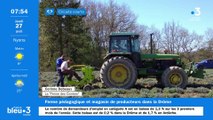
124, 42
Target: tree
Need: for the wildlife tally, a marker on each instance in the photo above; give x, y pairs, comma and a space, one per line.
207, 50
62, 34
209, 34
157, 40
190, 43
209, 39
170, 34
104, 18
143, 32
179, 40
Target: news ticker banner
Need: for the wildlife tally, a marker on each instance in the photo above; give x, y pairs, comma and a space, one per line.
121, 111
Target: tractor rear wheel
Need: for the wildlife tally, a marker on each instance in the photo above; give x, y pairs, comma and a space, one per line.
174, 76
118, 72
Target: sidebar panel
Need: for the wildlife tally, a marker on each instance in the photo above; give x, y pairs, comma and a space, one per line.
19, 57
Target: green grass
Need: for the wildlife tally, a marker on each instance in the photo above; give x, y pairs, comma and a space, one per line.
144, 88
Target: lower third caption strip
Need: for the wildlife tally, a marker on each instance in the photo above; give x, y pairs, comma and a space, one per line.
121, 111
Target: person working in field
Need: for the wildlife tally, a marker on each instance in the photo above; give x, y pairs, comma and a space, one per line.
59, 61
68, 71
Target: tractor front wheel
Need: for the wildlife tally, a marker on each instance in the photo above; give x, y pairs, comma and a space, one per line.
118, 72
174, 76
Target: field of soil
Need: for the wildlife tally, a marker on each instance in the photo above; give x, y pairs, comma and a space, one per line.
144, 88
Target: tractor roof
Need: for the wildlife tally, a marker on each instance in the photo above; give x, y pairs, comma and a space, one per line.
123, 33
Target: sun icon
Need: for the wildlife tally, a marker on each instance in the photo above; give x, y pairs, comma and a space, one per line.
19, 56
19, 83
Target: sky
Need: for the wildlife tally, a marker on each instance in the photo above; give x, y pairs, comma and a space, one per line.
157, 12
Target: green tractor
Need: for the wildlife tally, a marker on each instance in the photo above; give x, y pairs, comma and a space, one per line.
125, 63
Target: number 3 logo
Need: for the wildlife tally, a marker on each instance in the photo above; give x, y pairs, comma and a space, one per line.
198, 12
28, 110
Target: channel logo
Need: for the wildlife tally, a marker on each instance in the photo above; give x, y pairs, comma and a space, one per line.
19, 110
196, 11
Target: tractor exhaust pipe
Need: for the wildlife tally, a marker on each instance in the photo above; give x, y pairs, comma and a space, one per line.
151, 43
